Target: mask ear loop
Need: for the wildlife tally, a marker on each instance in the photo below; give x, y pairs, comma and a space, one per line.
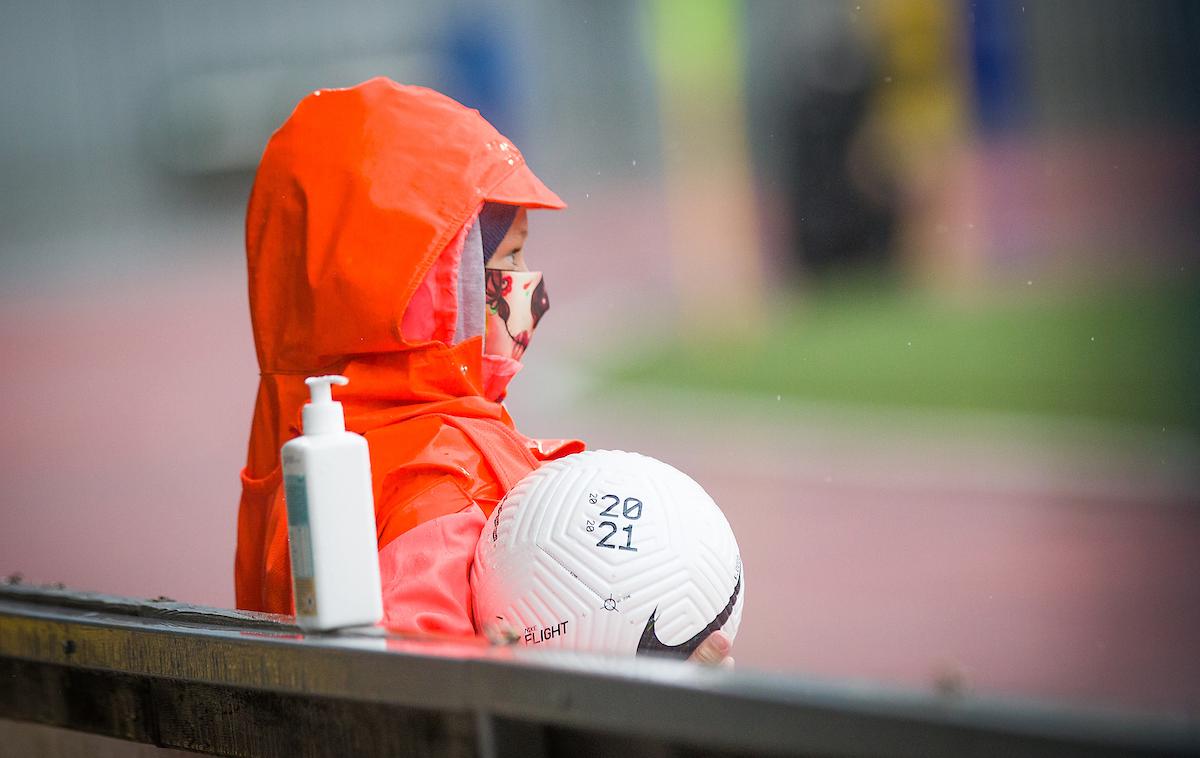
469, 321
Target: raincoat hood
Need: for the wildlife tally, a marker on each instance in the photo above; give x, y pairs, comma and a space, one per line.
364, 260
363, 198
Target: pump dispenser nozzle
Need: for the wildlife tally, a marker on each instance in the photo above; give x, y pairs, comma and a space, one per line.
322, 415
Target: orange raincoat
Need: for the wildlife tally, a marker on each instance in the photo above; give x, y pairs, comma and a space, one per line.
354, 234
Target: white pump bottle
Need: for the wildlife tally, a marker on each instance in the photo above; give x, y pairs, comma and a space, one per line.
331, 518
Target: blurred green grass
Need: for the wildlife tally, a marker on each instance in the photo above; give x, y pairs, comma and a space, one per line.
1124, 352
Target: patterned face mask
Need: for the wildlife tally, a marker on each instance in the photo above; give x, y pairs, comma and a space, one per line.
516, 301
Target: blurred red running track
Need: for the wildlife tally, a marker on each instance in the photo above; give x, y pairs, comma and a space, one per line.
126, 414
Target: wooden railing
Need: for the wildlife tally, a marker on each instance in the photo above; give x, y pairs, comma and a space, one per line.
233, 683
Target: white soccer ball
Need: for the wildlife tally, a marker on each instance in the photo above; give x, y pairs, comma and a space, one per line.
612, 552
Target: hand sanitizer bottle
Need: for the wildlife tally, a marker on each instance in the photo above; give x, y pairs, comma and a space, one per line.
331, 518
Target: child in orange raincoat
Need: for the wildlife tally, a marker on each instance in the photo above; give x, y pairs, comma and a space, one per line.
373, 214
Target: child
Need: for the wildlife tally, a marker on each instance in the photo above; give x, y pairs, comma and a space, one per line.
373, 215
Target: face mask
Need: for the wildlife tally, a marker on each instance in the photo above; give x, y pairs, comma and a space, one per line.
516, 301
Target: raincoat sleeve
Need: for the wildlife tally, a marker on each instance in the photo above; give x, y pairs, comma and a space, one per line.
430, 511
426, 570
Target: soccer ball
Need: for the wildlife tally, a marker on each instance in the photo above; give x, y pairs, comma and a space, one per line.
610, 552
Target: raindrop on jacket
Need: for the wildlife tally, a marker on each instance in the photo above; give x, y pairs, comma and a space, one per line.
355, 233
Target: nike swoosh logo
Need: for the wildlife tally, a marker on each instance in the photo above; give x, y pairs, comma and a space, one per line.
651, 644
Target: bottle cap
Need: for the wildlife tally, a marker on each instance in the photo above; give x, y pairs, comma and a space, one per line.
322, 415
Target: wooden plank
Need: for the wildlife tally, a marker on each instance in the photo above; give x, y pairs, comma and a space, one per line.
225, 720
259, 689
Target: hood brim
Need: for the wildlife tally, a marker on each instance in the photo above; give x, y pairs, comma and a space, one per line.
522, 187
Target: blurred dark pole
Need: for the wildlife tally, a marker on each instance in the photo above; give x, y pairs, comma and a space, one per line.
826, 188
841, 200
998, 48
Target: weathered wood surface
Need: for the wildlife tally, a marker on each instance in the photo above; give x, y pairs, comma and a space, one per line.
230, 683
29, 740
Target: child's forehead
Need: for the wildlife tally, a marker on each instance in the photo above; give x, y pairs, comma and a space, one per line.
520, 223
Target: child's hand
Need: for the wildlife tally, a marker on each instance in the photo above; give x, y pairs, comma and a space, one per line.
714, 651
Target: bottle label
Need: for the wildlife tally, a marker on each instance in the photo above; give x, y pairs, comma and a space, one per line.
295, 493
